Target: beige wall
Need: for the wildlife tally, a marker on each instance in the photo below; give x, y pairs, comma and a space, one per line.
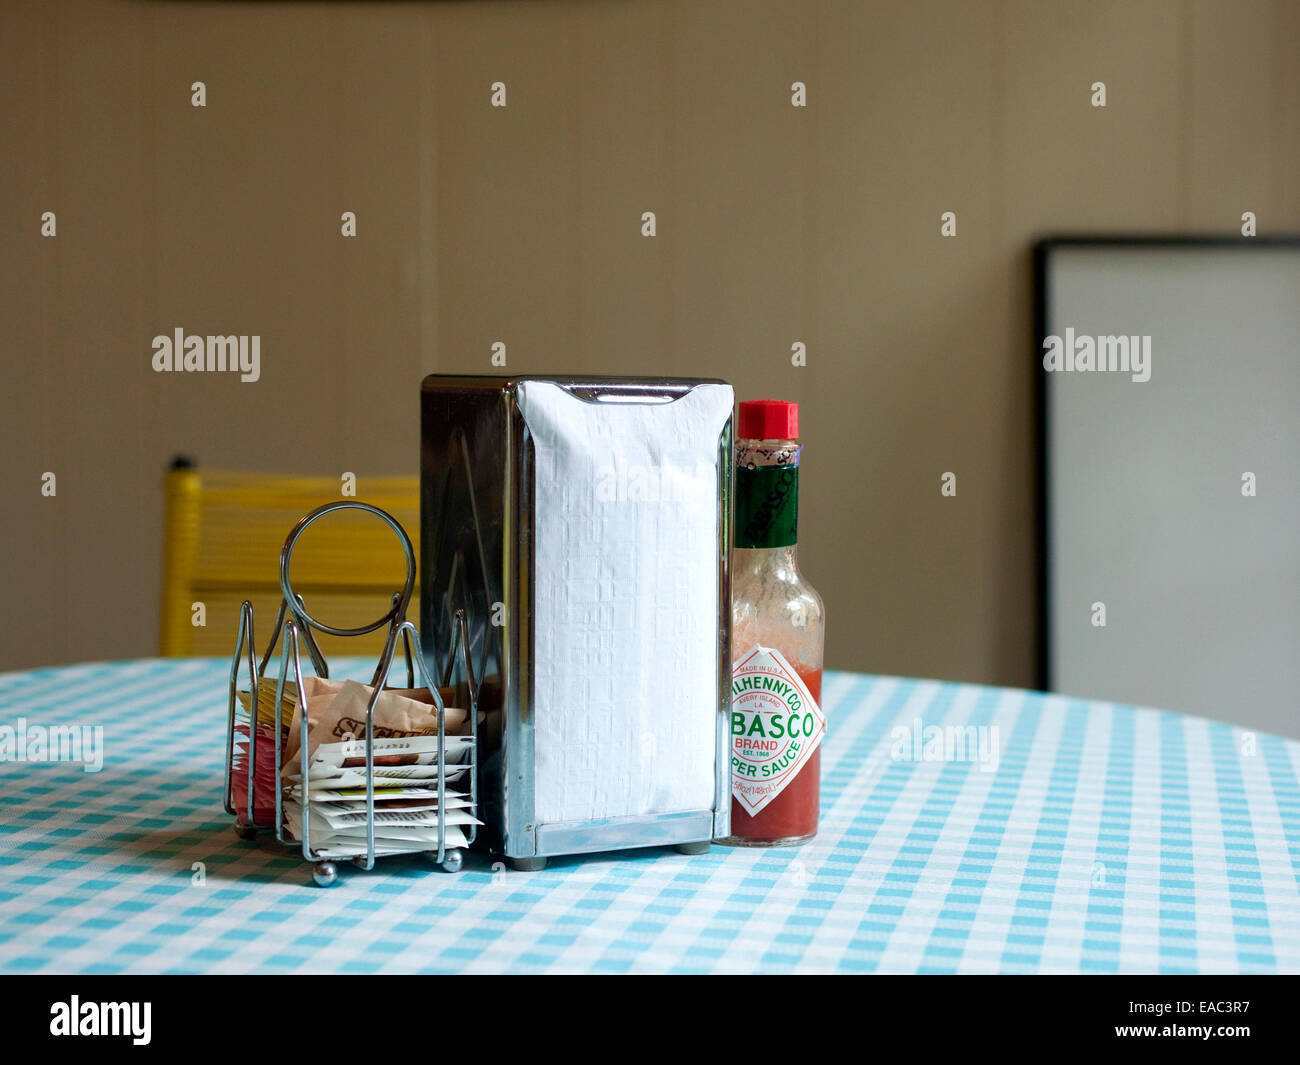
522, 225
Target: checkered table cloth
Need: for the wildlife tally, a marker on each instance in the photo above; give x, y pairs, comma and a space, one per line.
1105, 839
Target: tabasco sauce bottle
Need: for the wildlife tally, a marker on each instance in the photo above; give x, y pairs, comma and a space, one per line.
776, 641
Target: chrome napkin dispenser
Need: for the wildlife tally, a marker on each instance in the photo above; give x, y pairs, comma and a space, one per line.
584, 526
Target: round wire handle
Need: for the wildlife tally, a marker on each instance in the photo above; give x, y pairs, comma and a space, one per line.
397, 612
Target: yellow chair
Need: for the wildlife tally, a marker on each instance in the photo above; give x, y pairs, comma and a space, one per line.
221, 545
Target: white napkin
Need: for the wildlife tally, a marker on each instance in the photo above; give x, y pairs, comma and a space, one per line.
626, 602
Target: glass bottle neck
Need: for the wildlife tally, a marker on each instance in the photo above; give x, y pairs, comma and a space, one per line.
760, 561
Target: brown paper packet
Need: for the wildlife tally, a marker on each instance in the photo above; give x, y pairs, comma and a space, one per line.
398, 712
318, 693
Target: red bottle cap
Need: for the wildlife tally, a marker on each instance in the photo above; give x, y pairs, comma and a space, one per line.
768, 419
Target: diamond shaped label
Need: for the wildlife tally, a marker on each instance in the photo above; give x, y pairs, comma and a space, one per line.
776, 725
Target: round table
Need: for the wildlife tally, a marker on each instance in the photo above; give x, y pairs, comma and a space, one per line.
964, 829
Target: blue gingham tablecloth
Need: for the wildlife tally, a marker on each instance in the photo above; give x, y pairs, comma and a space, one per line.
1107, 838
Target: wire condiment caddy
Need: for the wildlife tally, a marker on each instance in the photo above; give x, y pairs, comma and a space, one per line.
294, 627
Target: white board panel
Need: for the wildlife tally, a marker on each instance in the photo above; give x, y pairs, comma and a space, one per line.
1145, 509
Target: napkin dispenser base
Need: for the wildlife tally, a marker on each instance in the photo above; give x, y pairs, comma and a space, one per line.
478, 542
